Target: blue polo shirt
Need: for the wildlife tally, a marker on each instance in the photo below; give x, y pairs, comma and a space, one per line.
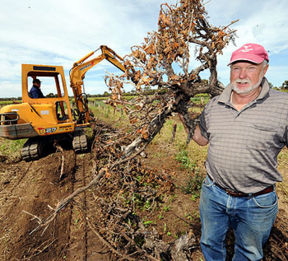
35, 92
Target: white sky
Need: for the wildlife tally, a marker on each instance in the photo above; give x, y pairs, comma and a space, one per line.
61, 32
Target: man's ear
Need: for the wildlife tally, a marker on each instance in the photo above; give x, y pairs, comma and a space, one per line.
266, 68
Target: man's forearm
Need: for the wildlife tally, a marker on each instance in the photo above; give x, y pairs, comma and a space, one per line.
198, 137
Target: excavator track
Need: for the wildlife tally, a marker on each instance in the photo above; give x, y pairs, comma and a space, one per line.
80, 143
32, 149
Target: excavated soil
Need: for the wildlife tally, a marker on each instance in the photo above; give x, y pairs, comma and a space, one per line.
29, 190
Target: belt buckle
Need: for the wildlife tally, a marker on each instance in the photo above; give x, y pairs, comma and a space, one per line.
235, 194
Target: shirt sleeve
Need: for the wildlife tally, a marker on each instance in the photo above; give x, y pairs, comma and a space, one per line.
40, 95
203, 120
33, 93
203, 124
286, 136
36, 93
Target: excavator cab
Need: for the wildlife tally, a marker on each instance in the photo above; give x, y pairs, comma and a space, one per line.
39, 116
41, 120
55, 103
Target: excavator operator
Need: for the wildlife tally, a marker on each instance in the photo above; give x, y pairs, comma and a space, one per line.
35, 91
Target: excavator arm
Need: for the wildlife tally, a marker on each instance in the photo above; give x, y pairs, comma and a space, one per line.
77, 75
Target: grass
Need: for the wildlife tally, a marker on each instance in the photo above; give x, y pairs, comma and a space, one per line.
11, 148
283, 168
195, 177
191, 155
108, 114
7, 102
91, 99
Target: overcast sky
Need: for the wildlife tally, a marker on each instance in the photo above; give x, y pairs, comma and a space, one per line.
60, 32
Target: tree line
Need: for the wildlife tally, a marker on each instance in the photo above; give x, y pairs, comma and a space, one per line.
148, 91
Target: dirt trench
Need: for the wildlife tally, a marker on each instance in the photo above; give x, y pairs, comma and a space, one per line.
27, 192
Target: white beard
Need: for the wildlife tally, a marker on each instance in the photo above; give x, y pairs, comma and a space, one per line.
248, 89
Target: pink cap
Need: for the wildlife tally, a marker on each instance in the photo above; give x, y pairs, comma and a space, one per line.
251, 52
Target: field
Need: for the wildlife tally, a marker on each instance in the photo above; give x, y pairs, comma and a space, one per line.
28, 191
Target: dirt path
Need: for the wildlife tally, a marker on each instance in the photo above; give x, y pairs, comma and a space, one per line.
83, 244
31, 188
26, 192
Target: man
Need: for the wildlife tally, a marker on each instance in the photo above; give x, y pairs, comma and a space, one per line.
246, 128
35, 91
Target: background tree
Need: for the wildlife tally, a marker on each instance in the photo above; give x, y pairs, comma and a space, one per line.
51, 95
284, 85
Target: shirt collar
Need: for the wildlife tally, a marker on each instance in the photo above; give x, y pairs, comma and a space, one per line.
226, 94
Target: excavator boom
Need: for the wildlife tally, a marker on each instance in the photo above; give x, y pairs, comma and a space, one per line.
77, 75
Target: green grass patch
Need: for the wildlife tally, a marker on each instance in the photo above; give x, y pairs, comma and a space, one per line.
108, 114
194, 181
11, 148
8, 102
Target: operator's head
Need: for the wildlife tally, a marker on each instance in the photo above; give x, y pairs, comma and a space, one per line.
37, 82
248, 66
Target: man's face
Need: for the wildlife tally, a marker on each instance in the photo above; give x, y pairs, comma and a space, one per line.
246, 76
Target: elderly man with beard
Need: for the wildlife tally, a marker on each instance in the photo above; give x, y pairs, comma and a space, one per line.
246, 127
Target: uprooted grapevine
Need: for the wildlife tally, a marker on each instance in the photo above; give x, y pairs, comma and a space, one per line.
170, 62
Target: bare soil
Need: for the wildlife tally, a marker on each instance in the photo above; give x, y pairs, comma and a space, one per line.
28, 191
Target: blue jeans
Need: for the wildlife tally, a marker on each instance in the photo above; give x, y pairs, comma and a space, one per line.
251, 219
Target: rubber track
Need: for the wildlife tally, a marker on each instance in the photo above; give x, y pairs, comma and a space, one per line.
80, 143
31, 150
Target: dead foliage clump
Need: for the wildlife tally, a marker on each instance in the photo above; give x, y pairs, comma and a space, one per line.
120, 195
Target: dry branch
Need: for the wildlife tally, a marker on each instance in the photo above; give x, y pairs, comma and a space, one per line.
59, 148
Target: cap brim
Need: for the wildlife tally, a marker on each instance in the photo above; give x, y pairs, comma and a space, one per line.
249, 58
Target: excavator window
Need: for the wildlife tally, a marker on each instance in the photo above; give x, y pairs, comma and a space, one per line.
51, 85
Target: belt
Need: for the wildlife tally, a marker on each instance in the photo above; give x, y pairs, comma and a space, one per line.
241, 194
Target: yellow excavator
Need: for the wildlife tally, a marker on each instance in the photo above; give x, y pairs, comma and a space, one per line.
42, 120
